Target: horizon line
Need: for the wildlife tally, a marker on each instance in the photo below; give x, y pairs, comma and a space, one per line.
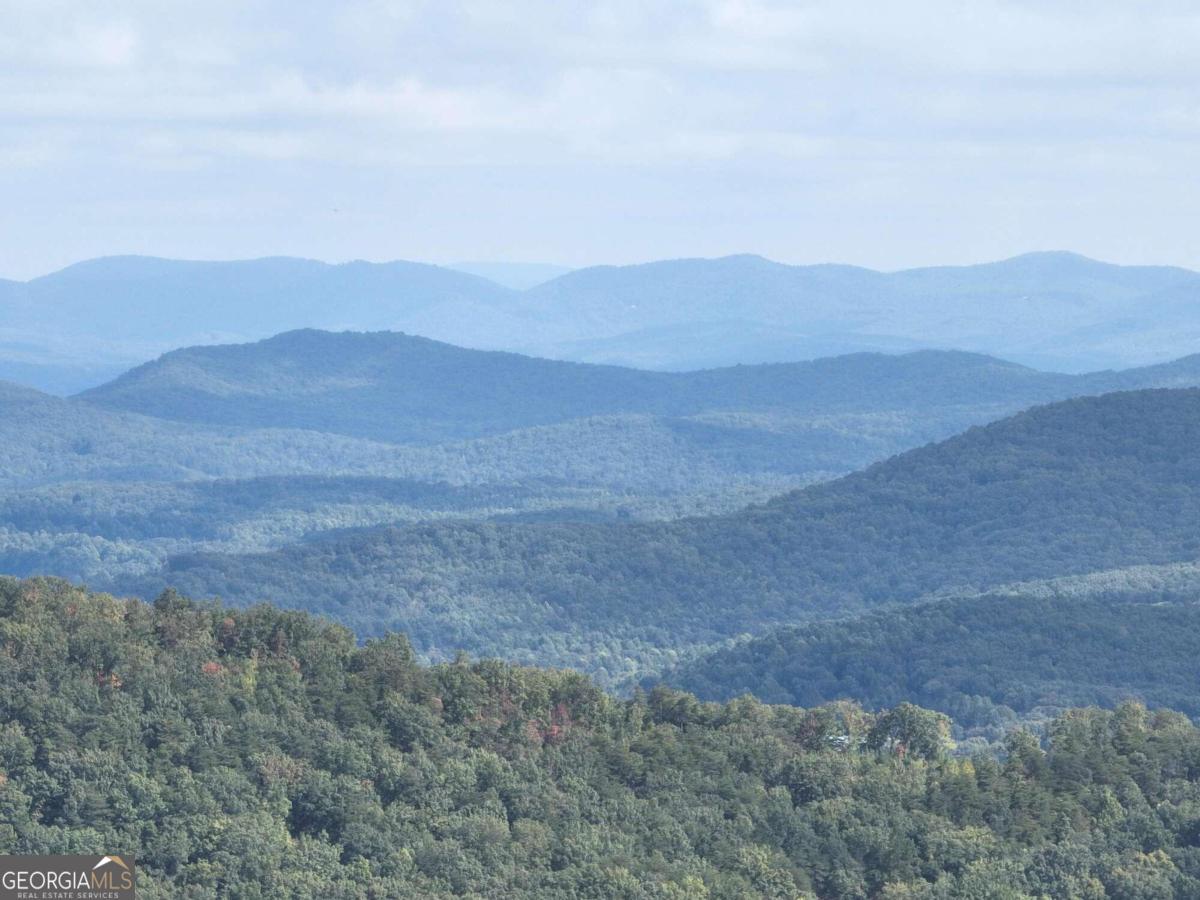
455, 266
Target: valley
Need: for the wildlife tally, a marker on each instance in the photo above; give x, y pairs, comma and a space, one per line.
1063, 489
309, 442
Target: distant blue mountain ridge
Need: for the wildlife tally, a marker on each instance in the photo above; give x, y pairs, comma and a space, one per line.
76, 327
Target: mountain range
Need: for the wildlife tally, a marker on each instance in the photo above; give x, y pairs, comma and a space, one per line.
75, 328
247, 448
1069, 488
607, 518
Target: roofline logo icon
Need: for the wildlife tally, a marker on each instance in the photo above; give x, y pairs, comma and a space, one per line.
105, 860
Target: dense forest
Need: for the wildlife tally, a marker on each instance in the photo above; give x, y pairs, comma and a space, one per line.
48, 440
410, 390
1070, 488
1090, 640
260, 753
83, 493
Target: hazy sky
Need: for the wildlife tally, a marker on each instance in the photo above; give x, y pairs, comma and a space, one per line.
888, 134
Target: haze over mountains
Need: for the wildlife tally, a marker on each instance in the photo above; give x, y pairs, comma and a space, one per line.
531, 508
515, 275
1075, 487
309, 432
74, 328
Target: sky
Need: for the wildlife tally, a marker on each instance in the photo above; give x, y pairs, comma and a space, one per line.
884, 134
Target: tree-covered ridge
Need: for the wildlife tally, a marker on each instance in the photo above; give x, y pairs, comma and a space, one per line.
1070, 488
102, 531
1095, 640
49, 440
261, 753
404, 389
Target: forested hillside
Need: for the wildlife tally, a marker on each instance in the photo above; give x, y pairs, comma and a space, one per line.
393, 387
379, 385
261, 753
406, 389
1092, 639
640, 446
49, 440
1069, 488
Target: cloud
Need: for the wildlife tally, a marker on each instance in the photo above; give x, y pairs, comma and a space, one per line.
741, 75
853, 98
